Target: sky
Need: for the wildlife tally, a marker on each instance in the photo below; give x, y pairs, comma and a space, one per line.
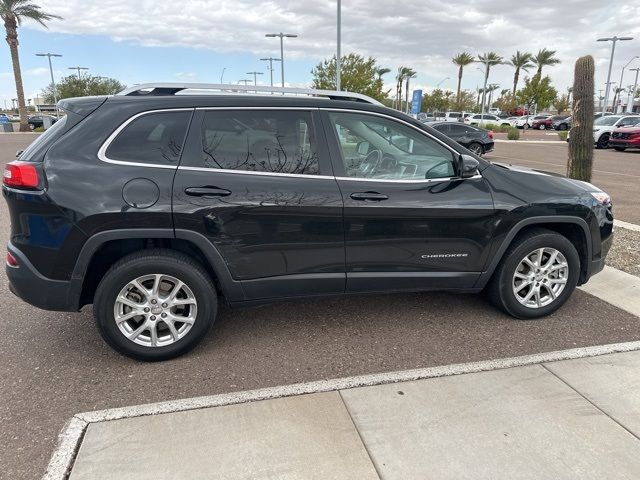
198, 40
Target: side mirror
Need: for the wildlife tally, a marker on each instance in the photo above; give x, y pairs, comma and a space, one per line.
362, 148
468, 166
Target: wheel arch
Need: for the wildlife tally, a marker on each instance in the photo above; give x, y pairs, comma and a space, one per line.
105, 248
575, 229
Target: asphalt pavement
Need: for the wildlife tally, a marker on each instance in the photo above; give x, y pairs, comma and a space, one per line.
53, 365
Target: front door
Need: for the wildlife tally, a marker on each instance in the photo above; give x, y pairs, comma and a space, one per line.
410, 221
258, 184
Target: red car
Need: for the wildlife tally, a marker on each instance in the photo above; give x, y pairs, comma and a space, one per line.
519, 111
626, 137
547, 123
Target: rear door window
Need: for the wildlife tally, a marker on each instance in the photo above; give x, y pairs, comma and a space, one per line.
153, 138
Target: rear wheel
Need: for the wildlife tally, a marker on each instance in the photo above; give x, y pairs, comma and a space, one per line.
536, 276
155, 305
542, 126
603, 141
562, 127
620, 149
476, 148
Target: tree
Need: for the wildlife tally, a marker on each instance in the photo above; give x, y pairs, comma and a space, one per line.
506, 102
461, 60
489, 59
580, 161
409, 74
380, 71
435, 102
536, 91
521, 61
465, 102
72, 86
544, 58
562, 103
357, 74
13, 12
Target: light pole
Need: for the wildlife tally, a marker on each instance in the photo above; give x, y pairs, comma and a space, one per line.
281, 35
440, 82
78, 69
338, 58
270, 60
613, 41
622, 74
633, 92
255, 76
244, 81
600, 97
53, 82
222, 75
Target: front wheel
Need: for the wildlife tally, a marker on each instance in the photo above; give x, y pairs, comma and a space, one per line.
542, 126
619, 149
603, 141
155, 305
476, 148
536, 276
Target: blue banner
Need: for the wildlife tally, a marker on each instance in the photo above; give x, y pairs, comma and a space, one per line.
416, 102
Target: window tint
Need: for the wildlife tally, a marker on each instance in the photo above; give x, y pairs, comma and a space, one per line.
34, 152
152, 138
460, 129
629, 121
377, 147
454, 115
258, 141
442, 127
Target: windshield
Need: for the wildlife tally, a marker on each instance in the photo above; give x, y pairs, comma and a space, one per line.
607, 121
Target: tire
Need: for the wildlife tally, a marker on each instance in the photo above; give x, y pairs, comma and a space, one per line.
562, 127
619, 149
476, 148
542, 127
196, 302
502, 286
603, 141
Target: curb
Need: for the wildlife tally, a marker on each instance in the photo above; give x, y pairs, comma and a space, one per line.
626, 225
71, 436
553, 142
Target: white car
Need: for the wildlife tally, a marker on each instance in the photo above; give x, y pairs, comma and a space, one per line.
603, 126
448, 116
527, 120
480, 119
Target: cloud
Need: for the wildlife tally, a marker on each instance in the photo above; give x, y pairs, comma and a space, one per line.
424, 34
37, 72
186, 76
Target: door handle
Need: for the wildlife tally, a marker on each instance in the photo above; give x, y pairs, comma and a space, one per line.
207, 192
369, 196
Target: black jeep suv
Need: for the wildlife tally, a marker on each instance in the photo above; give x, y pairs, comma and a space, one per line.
154, 204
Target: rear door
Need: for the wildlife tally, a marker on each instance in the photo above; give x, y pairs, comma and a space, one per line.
410, 221
259, 185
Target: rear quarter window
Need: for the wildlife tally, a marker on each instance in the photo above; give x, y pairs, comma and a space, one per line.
152, 138
36, 150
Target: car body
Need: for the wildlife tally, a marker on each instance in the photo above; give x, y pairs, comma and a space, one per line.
562, 124
36, 121
547, 123
476, 139
604, 126
483, 119
526, 121
495, 111
624, 138
154, 206
519, 111
448, 116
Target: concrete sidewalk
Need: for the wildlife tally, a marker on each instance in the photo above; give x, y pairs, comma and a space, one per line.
571, 419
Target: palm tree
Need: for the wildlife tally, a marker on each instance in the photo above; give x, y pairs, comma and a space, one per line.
12, 13
522, 61
544, 58
408, 75
381, 71
461, 60
489, 59
400, 77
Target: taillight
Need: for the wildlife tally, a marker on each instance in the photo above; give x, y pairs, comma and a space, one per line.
490, 133
20, 175
11, 260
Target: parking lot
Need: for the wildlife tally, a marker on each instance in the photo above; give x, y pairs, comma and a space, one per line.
53, 365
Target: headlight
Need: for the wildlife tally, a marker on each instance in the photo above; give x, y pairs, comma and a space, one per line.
601, 197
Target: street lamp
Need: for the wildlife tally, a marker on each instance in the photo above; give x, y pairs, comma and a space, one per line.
613, 41
53, 83
222, 75
440, 82
622, 73
255, 76
281, 35
633, 92
486, 64
78, 69
244, 81
270, 60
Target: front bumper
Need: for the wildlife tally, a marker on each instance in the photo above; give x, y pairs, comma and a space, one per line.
31, 286
614, 142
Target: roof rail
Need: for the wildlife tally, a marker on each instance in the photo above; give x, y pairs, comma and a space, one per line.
174, 88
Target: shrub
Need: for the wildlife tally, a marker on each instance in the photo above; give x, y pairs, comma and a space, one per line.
505, 128
491, 126
38, 130
563, 135
513, 133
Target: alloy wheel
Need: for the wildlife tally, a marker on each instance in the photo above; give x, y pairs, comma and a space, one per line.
155, 310
540, 277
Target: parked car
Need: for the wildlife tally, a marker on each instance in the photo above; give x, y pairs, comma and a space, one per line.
425, 117
4, 118
448, 116
626, 137
478, 140
510, 120
494, 111
604, 126
155, 206
527, 120
519, 111
547, 123
562, 124
483, 119
36, 121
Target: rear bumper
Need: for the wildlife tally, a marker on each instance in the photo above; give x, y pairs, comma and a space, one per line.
28, 284
614, 142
